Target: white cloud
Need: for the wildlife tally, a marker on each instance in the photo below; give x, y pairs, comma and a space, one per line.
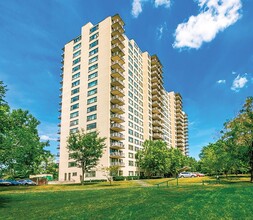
136, 8
47, 138
137, 5
239, 82
166, 3
221, 81
214, 17
160, 30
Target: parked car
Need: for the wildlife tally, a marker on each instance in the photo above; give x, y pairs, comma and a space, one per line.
199, 174
187, 174
14, 182
4, 183
27, 182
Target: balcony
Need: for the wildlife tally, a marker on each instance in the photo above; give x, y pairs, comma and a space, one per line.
59, 117
118, 164
157, 129
60, 96
119, 30
156, 110
118, 56
117, 118
117, 21
59, 125
59, 131
117, 65
116, 90
117, 47
156, 122
157, 117
156, 104
157, 135
117, 100
117, 145
118, 39
117, 127
117, 136
117, 109
117, 73
117, 154
156, 97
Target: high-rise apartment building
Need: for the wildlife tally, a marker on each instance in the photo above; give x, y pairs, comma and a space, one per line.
110, 85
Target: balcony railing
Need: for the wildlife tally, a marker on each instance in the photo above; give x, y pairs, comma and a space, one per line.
118, 164
117, 118
116, 90
117, 136
117, 154
117, 109
118, 73
117, 65
117, 100
117, 145
117, 127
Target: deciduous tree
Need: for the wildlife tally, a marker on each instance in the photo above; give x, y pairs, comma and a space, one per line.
85, 149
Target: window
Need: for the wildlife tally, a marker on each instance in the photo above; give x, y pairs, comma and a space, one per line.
74, 91
74, 114
73, 130
75, 76
77, 46
91, 117
130, 155
92, 92
130, 131
92, 52
91, 126
93, 67
76, 83
77, 39
91, 100
94, 29
94, 36
130, 147
76, 61
93, 59
130, 139
75, 68
72, 164
92, 108
77, 53
75, 98
74, 174
93, 83
90, 174
75, 106
74, 122
130, 163
92, 75
93, 44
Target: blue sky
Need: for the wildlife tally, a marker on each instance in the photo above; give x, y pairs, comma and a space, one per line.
205, 46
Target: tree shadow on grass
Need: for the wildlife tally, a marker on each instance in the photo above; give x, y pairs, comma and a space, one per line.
4, 201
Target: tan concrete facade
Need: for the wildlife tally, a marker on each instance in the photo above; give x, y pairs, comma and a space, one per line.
110, 85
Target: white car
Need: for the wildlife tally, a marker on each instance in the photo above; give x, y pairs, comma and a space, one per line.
187, 174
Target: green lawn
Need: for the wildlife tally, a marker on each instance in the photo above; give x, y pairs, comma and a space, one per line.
128, 200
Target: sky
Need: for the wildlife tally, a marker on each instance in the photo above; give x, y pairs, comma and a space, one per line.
205, 46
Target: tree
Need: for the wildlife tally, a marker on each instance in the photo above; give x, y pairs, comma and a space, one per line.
153, 158
177, 161
21, 151
240, 132
110, 172
85, 149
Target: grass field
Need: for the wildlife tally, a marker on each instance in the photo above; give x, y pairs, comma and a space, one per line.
130, 200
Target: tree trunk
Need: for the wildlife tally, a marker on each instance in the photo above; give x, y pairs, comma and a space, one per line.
251, 162
83, 172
